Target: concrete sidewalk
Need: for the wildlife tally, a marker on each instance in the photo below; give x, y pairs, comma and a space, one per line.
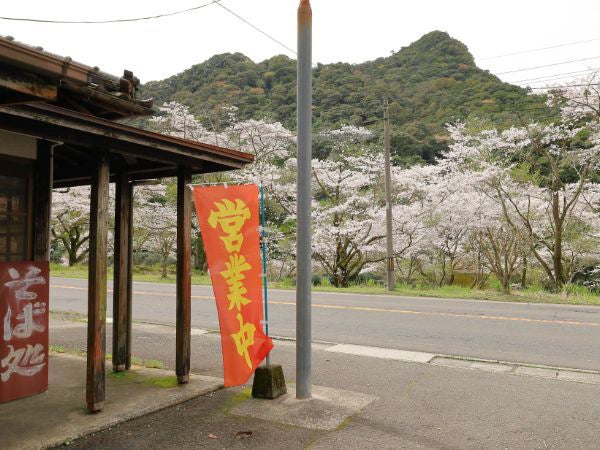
59, 415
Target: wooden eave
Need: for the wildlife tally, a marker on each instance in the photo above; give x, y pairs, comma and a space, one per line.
79, 87
140, 153
36, 60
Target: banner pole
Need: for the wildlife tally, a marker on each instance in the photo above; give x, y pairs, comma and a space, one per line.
264, 261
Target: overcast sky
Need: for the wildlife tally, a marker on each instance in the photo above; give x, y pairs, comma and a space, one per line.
344, 30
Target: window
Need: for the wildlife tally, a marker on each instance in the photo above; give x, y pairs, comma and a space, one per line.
15, 224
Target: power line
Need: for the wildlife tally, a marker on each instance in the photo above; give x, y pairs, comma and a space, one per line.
264, 33
548, 65
564, 86
538, 49
558, 76
545, 109
92, 22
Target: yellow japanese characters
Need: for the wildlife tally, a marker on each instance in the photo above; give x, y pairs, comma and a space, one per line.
230, 216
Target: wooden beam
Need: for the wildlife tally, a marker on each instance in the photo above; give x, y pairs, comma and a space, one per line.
129, 276
15, 84
42, 201
96, 338
184, 280
70, 126
121, 268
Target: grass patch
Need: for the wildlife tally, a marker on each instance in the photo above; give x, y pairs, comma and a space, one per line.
67, 351
147, 274
117, 375
135, 360
236, 399
163, 382
577, 295
153, 364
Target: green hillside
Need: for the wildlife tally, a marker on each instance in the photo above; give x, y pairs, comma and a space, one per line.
431, 82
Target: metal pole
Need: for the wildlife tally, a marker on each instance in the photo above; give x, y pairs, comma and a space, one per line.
388, 198
303, 241
263, 245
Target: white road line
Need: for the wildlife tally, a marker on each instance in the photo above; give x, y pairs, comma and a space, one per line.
382, 353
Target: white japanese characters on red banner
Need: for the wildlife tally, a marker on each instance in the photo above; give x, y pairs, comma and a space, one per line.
24, 329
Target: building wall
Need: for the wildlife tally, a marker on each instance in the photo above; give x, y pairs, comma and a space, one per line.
18, 155
19, 145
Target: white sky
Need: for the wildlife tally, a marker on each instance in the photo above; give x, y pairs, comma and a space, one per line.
344, 30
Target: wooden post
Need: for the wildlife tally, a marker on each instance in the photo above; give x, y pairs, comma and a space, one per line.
129, 276
42, 201
96, 339
121, 270
184, 280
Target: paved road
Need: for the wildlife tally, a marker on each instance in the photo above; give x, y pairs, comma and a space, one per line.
556, 335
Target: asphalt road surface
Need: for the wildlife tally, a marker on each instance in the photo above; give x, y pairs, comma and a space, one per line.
555, 335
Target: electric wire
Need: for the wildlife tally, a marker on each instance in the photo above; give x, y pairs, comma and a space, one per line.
522, 52
558, 87
548, 65
95, 22
264, 33
558, 76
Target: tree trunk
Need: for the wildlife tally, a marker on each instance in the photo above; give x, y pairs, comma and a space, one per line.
559, 276
164, 273
72, 257
524, 274
506, 286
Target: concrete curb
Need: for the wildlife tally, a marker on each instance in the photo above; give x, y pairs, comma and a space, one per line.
463, 362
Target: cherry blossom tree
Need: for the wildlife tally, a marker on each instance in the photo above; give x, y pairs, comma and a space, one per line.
176, 120
347, 213
155, 219
537, 174
579, 99
71, 221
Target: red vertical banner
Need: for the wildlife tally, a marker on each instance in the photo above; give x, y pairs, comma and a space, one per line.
23, 329
229, 223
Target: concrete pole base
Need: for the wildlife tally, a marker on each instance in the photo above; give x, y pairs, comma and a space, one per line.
269, 382
183, 379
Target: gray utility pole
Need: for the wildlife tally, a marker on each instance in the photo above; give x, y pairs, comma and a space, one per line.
391, 284
303, 241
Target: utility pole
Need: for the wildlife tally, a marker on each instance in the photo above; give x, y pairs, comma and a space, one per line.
303, 227
388, 198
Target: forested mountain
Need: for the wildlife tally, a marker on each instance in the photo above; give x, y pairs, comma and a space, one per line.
431, 82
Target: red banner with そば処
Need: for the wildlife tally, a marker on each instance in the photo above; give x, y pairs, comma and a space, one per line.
23, 329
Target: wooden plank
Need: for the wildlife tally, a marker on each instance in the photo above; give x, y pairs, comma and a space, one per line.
184, 280
121, 268
96, 339
42, 201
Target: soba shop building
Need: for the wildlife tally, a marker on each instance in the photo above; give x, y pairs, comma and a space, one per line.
59, 127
